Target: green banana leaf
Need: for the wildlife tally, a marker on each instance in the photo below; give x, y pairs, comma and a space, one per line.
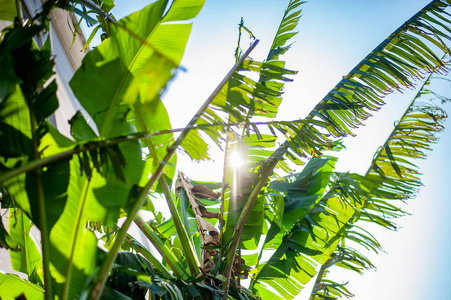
9, 11
392, 177
302, 192
28, 260
74, 247
306, 205
243, 97
7, 241
81, 194
15, 126
12, 287
408, 54
133, 67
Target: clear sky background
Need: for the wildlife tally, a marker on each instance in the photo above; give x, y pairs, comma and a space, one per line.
333, 37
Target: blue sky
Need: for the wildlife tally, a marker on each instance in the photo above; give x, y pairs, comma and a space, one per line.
333, 37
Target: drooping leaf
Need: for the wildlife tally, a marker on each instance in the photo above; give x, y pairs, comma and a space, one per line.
90, 197
392, 177
406, 55
28, 260
6, 241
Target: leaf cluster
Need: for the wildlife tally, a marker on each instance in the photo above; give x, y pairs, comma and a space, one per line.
263, 221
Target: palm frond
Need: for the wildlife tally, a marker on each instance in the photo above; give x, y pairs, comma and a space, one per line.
351, 197
393, 175
393, 171
310, 238
408, 54
242, 97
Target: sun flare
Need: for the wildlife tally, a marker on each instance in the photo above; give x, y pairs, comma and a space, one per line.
235, 159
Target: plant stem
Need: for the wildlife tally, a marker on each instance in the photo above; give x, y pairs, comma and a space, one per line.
45, 238
187, 247
185, 241
146, 253
161, 247
236, 234
45, 234
221, 213
101, 277
316, 286
18, 10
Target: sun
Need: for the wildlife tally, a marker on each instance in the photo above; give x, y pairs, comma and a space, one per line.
235, 159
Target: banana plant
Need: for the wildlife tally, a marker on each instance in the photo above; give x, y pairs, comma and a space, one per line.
262, 221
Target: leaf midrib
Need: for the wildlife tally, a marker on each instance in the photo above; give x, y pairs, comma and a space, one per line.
74, 240
18, 279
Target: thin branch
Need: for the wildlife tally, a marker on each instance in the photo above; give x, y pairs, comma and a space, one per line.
225, 125
39, 163
45, 233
